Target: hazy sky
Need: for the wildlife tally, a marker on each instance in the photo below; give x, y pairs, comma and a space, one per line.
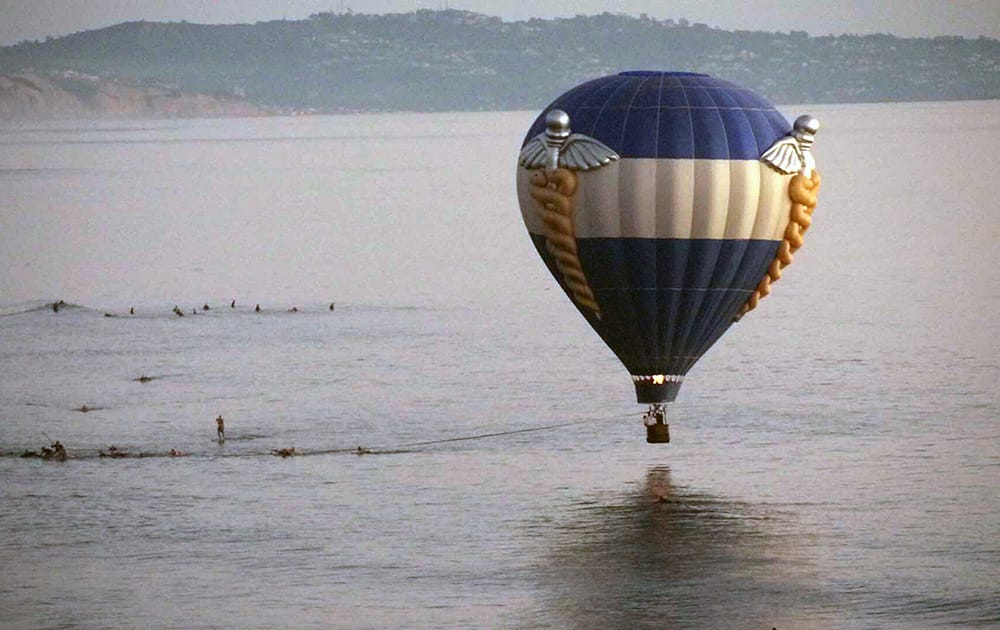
35, 19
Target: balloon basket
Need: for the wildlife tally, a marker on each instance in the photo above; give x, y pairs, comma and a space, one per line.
658, 433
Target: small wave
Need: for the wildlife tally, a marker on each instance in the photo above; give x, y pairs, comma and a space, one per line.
248, 436
88, 408
26, 171
91, 454
39, 306
84, 454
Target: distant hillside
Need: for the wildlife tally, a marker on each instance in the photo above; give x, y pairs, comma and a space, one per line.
72, 95
456, 60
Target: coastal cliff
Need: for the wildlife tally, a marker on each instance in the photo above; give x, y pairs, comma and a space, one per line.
30, 96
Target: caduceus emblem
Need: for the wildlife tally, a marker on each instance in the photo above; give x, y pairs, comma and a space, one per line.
791, 155
554, 155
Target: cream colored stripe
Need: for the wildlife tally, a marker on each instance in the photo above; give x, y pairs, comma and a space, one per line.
674, 196
647, 198
637, 195
744, 193
774, 205
711, 198
600, 188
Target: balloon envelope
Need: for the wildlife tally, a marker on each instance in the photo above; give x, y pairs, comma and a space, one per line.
672, 237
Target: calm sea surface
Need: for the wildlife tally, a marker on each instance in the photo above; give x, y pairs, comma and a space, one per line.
835, 459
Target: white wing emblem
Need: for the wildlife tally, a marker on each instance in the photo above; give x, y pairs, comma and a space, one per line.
793, 153
533, 153
578, 152
784, 156
556, 147
583, 153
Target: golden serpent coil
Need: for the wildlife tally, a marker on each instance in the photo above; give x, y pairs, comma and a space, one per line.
803, 192
554, 192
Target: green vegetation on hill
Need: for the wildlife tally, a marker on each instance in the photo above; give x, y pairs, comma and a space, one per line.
456, 60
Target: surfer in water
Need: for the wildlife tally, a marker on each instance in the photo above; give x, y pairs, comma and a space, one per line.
220, 428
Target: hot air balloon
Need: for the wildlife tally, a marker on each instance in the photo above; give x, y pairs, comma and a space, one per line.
665, 204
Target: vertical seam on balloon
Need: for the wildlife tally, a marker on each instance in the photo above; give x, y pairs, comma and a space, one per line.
600, 112
692, 326
667, 331
622, 83
595, 86
724, 306
676, 347
742, 308
657, 329
687, 104
737, 297
626, 268
659, 102
760, 201
682, 334
628, 110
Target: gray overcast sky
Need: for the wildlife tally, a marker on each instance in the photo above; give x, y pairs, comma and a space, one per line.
35, 19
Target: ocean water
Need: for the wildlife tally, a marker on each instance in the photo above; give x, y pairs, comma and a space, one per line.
835, 459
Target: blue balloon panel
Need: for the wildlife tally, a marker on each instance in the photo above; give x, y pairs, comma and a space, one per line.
671, 115
664, 302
